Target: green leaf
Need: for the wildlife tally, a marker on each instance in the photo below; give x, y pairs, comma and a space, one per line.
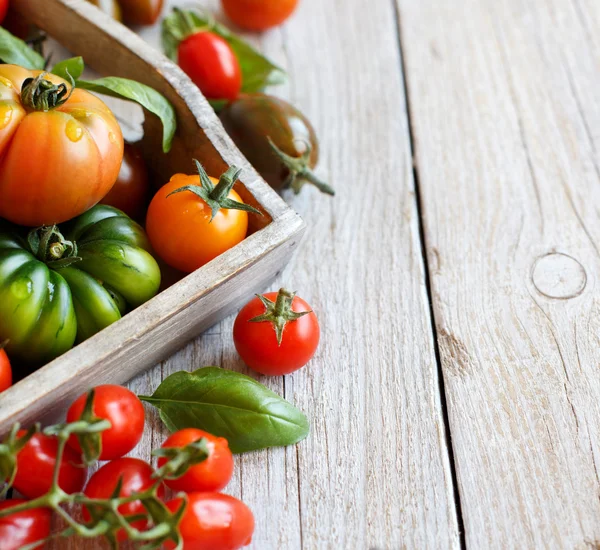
16, 52
74, 66
257, 71
230, 405
147, 97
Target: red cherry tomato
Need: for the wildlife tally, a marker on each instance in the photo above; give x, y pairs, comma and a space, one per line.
130, 191
124, 411
212, 65
257, 342
3, 9
5, 371
210, 475
136, 477
35, 467
23, 528
258, 15
213, 521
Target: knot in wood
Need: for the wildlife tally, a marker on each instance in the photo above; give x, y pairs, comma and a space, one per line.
560, 276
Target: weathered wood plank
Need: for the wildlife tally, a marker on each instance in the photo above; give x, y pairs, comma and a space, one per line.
374, 473
505, 114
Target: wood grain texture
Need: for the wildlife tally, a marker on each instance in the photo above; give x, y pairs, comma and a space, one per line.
505, 114
374, 473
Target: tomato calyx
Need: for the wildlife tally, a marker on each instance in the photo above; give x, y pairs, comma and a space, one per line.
48, 245
181, 459
279, 313
217, 197
91, 441
9, 448
40, 94
300, 172
185, 26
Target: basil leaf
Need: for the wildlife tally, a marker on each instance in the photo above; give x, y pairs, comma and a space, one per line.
74, 66
16, 52
147, 97
230, 405
257, 71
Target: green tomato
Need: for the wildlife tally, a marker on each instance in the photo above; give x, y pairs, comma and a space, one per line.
59, 286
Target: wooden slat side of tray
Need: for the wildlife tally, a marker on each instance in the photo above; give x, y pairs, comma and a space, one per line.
505, 114
156, 330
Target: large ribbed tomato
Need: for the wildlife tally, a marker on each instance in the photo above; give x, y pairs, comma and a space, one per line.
59, 153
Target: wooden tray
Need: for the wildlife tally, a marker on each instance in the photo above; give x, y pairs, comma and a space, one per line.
161, 326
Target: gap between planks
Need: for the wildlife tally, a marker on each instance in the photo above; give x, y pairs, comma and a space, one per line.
425, 259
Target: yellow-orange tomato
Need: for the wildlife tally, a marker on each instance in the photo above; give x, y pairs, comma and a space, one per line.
180, 228
55, 162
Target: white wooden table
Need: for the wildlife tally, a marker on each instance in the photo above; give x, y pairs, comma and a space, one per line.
455, 397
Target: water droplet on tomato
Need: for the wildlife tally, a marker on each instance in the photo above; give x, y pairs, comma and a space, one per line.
22, 288
74, 131
112, 137
6, 112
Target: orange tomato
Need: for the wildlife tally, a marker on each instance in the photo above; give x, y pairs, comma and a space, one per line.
258, 15
181, 226
55, 162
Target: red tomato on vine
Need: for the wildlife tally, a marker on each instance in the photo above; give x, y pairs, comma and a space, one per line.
35, 467
135, 476
213, 474
124, 411
23, 528
213, 521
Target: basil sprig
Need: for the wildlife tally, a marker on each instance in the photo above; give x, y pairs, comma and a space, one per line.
230, 405
257, 71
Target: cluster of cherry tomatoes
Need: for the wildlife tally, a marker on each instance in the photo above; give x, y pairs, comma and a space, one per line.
211, 519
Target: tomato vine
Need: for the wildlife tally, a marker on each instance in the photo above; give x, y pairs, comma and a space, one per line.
106, 518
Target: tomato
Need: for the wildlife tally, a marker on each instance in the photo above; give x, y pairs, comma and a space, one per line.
35, 467
215, 521
276, 333
5, 369
132, 12
258, 15
77, 148
181, 226
254, 119
23, 528
213, 474
136, 476
141, 12
45, 306
210, 62
124, 411
130, 191
3, 9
